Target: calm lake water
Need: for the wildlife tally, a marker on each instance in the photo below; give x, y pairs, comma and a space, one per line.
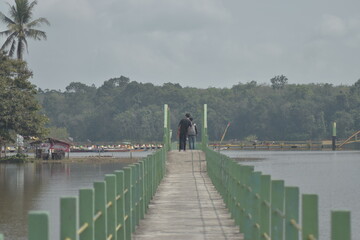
31, 186
334, 176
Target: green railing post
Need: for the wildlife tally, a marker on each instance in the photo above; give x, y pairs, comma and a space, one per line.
68, 218
86, 213
138, 194
120, 206
277, 209
100, 224
128, 201
310, 220
248, 203
265, 194
110, 180
292, 213
142, 192
38, 223
255, 183
133, 198
340, 225
2, 237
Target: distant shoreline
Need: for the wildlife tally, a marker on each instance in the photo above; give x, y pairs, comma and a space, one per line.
90, 159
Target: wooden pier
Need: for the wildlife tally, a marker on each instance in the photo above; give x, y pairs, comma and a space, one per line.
186, 204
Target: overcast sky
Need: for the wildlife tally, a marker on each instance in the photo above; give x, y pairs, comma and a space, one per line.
198, 43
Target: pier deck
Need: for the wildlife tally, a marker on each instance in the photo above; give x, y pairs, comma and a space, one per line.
186, 204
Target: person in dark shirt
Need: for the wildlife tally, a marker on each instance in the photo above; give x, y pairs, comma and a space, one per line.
183, 127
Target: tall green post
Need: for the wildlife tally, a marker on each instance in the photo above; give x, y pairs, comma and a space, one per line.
100, 225
128, 201
86, 213
277, 205
340, 225
120, 207
310, 217
166, 128
334, 137
68, 218
110, 180
265, 205
292, 200
204, 136
38, 226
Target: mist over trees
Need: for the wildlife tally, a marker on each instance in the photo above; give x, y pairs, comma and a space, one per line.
124, 110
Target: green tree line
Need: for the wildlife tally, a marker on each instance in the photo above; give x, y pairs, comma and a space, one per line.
123, 110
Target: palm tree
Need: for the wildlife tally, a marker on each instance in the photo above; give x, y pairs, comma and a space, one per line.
20, 27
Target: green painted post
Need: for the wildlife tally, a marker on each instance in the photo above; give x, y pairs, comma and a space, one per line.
340, 225
146, 183
241, 197
292, 200
68, 218
248, 203
142, 190
86, 213
238, 196
110, 180
265, 212
2, 237
310, 220
277, 208
100, 224
334, 137
128, 200
38, 223
133, 198
153, 175
120, 206
255, 183
138, 195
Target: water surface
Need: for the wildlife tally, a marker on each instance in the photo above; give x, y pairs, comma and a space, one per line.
334, 176
33, 186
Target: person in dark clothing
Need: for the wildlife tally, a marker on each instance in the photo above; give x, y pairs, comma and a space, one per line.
183, 127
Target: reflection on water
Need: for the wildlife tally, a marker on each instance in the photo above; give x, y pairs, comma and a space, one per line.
32, 186
334, 176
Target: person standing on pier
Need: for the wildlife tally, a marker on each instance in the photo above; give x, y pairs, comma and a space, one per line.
192, 132
183, 127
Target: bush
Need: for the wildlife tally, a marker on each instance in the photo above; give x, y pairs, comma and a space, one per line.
18, 158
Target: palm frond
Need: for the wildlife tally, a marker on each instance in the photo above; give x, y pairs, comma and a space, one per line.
5, 33
38, 22
8, 41
36, 34
5, 19
12, 48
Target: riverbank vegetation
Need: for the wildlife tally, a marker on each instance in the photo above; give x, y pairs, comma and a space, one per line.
19, 108
126, 110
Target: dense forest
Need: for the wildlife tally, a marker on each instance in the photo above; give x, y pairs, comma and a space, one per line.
124, 110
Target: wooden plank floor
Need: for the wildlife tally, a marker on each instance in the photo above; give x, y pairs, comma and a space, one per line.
186, 204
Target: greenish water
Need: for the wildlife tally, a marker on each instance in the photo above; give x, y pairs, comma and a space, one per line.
333, 175
25, 187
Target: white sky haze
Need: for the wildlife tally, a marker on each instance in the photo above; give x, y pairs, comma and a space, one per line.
197, 43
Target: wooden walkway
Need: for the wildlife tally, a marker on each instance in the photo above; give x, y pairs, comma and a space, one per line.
186, 204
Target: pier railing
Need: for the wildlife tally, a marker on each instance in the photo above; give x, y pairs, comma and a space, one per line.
109, 210
267, 209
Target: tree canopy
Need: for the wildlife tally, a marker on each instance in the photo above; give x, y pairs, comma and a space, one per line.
19, 108
122, 110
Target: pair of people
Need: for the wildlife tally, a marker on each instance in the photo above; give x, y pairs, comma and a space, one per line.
187, 129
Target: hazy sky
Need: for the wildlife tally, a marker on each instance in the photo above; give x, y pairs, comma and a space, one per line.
198, 43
